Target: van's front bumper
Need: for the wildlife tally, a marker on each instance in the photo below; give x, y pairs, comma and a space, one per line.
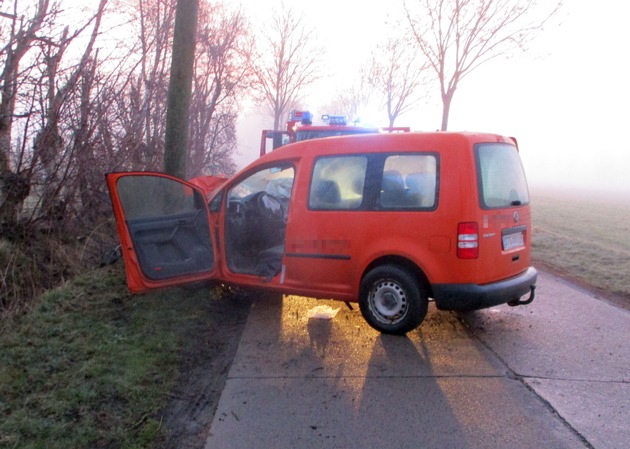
472, 296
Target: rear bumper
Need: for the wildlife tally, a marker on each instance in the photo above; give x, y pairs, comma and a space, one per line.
472, 296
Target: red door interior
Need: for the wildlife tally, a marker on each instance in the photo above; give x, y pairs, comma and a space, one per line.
164, 229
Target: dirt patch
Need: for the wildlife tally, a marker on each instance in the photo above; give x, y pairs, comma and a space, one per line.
211, 344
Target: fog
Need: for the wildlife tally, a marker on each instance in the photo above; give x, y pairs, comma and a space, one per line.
566, 100
568, 108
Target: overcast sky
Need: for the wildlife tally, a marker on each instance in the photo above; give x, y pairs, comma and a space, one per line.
566, 101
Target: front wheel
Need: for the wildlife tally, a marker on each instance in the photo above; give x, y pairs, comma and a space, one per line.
392, 301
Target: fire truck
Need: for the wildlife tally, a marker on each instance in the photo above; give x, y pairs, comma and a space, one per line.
300, 127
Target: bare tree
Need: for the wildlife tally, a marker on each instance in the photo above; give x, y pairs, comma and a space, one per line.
397, 74
49, 145
288, 63
142, 107
38, 81
14, 185
457, 36
352, 99
71, 111
221, 70
222, 73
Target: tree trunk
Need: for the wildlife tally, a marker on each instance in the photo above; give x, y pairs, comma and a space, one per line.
14, 185
446, 109
180, 88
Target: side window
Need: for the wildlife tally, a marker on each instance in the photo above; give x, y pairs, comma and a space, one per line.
338, 183
409, 182
148, 197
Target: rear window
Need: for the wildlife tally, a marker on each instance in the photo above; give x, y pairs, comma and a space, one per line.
501, 177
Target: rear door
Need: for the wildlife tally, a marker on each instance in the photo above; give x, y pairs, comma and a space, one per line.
164, 228
505, 234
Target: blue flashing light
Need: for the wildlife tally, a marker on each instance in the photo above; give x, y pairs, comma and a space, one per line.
335, 119
307, 118
304, 117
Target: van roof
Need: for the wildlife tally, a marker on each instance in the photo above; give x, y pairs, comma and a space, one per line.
373, 143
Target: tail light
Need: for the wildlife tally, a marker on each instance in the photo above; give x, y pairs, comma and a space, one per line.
468, 240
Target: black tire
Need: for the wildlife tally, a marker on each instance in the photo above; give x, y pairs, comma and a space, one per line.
392, 301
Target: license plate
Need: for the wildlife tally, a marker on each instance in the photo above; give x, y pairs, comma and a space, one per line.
513, 240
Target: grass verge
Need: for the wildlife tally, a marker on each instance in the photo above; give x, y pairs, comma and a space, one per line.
90, 366
585, 238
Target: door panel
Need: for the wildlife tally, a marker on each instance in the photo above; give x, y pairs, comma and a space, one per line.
172, 246
164, 228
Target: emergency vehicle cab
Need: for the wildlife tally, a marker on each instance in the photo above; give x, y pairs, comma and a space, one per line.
390, 221
300, 127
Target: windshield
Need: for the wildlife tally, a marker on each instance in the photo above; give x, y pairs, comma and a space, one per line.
276, 181
501, 177
319, 133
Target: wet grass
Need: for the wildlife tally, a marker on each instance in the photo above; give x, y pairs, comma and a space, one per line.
586, 237
90, 366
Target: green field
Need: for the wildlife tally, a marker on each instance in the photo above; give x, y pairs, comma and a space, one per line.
586, 237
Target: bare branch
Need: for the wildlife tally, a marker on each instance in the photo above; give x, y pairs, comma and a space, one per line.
397, 73
458, 36
288, 63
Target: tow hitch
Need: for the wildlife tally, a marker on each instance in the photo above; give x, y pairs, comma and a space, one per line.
518, 302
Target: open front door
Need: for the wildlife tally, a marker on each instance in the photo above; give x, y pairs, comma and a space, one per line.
164, 229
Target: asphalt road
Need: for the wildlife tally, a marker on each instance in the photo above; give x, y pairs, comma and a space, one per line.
553, 374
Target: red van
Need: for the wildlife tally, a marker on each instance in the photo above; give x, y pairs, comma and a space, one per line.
386, 220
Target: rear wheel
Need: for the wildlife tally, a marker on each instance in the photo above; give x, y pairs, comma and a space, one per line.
392, 301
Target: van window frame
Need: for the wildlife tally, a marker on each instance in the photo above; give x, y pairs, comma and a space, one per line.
360, 206
373, 181
385, 157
